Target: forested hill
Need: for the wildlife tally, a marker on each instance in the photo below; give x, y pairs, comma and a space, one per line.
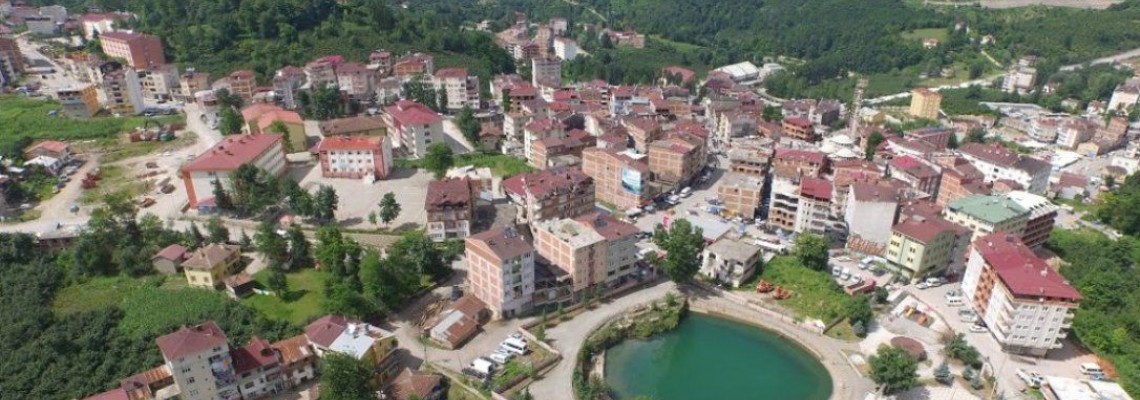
220, 36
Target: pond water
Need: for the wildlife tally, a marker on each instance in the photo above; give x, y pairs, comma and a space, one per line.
712, 358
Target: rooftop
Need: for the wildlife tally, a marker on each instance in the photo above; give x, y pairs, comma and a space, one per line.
926, 230
258, 353
207, 257
1022, 272
505, 242
570, 231
174, 252
800, 155
407, 112
330, 143
606, 225
816, 188
875, 193
733, 249
232, 152
191, 340
992, 209
450, 192
349, 125
547, 183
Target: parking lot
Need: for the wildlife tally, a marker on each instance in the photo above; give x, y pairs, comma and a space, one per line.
358, 198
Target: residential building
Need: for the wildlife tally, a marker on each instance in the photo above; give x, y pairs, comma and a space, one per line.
916, 173
997, 163
800, 129
415, 64
450, 208
263, 151
1027, 306
413, 127
821, 112
1125, 95
959, 179
208, 266
192, 82
621, 179
382, 62
556, 193
1075, 131
138, 49
168, 261
730, 261
783, 203
984, 215
356, 157
79, 102
374, 346
258, 366
925, 103
41, 25
199, 360
123, 92
355, 81
298, 360
795, 163
575, 248
813, 212
643, 131
922, 246
260, 118
627, 38
565, 49
353, 126
1042, 214
621, 244
100, 23
242, 83
1019, 79
500, 270
322, 72
741, 194
936, 136
11, 61
159, 82
749, 161
462, 89
546, 72
871, 210
459, 323
677, 159
409, 385
286, 82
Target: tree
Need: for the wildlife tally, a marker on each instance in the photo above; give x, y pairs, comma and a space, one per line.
467, 124
894, 369
271, 245
873, 142
859, 310
228, 99
231, 121
859, 329
280, 128
976, 135
217, 230
389, 208
196, 237
300, 250
245, 241
372, 217
773, 114
441, 100
343, 377
505, 101
221, 197
682, 244
942, 374
811, 251
438, 159
276, 280
325, 204
959, 349
325, 103
952, 141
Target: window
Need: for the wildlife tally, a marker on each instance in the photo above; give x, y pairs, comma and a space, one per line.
190, 380
185, 369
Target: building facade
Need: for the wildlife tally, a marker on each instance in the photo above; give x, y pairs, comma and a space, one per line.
501, 271
573, 247
564, 192
731, 261
450, 209
984, 215
263, 151
138, 49
620, 179
413, 126
356, 157
925, 103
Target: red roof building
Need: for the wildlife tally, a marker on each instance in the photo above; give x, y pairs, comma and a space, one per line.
356, 157
262, 151
413, 126
189, 341
553, 193
139, 50
450, 205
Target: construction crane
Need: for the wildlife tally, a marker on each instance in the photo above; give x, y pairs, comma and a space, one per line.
856, 103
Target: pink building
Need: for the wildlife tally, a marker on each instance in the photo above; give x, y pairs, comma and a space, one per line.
500, 265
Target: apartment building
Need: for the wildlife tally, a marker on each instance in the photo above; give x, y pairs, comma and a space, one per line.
565, 49
286, 82
741, 194
413, 127
192, 82
800, 129
208, 266
925, 103
450, 207
730, 261
263, 151
1042, 215
322, 71
556, 193
984, 215
783, 203
122, 92
621, 179
1074, 132
353, 126
573, 247
199, 360
1019, 79
500, 265
538, 130
677, 159
11, 61
643, 131
138, 49
355, 157
998, 163
819, 112
242, 83
813, 211
462, 89
795, 162
160, 82
621, 244
79, 102
374, 346
415, 64
1027, 306
922, 246
546, 72
916, 173
871, 210
749, 161
959, 179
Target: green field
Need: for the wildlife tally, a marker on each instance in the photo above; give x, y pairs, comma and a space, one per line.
814, 293
929, 33
22, 116
500, 164
99, 293
300, 305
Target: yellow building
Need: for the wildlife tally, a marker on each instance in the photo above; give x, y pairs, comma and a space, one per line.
370, 344
921, 247
79, 102
207, 267
925, 103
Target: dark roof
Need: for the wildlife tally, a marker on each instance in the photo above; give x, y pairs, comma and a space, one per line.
325, 330
450, 192
258, 353
925, 230
815, 187
343, 126
191, 340
504, 243
547, 183
419, 384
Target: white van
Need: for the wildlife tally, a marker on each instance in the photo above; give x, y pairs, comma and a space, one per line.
514, 345
1091, 369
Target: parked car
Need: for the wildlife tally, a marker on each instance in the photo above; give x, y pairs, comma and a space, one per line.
978, 328
933, 282
1091, 368
922, 285
1032, 379
500, 357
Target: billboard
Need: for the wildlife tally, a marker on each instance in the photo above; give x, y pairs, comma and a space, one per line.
631, 180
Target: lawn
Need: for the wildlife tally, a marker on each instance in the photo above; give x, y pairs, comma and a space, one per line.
929, 33
814, 293
501, 164
301, 304
29, 117
99, 292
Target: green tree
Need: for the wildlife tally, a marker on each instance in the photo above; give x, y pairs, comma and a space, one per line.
438, 159
197, 239
325, 204
280, 128
682, 244
859, 310
217, 230
976, 135
221, 197
300, 250
231, 122
811, 251
505, 101
873, 142
245, 241
276, 280
952, 141
773, 114
343, 377
959, 349
441, 100
228, 99
271, 245
389, 208
894, 369
372, 217
467, 124
942, 374
325, 103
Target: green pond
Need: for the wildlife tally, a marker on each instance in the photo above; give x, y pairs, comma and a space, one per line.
713, 358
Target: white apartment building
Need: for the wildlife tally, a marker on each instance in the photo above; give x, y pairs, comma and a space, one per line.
565, 49
264, 151
122, 92
1019, 79
1027, 306
1125, 95
160, 83
813, 214
462, 89
730, 261
870, 211
413, 126
998, 163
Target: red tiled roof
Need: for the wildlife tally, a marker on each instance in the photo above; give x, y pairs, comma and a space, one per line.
294, 349
1022, 272
95, 17
992, 153
174, 252
451, 73
242, 74
113, 394
800, 155
407, 112
258, 353
925, 230
547, 183
351, 68
369, 143
797, 121
332, 60
326, 329
123, 36
414, 383
644, 124
504, 242
874, 192
451, 192
191, 340
606, 225
543, 125
913, 166
816, 187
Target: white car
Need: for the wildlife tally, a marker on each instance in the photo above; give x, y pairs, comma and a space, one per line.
1032, 379
500, 357
978, 328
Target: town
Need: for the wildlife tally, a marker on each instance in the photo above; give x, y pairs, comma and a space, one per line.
402, 226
